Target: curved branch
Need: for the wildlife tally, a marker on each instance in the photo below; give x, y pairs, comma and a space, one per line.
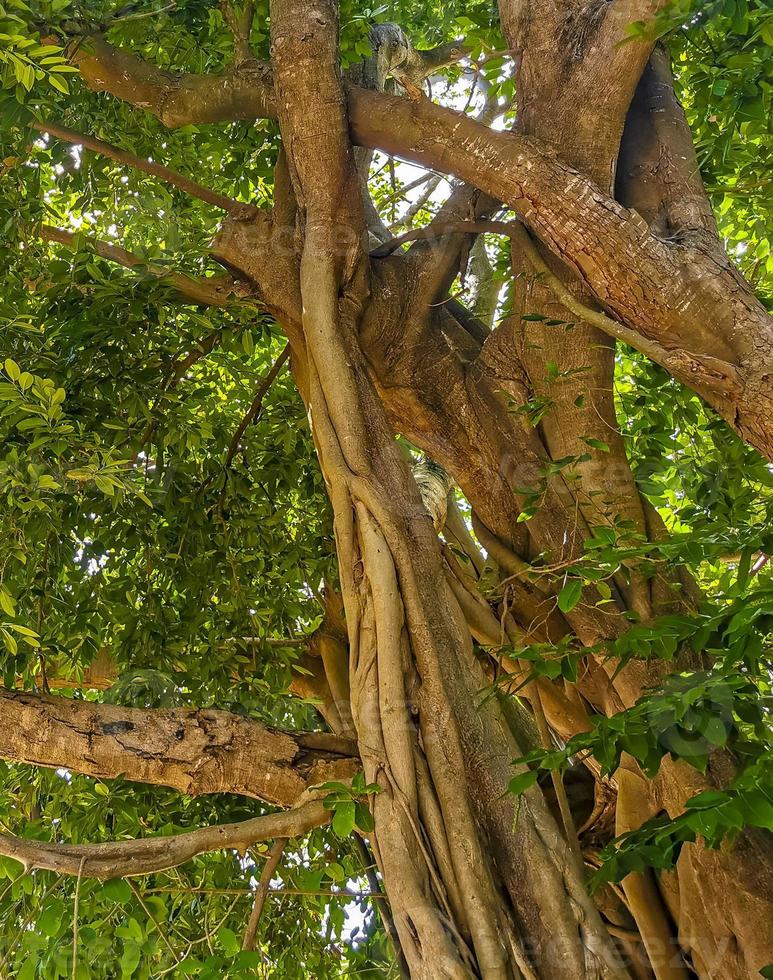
195, 751
257, 403
214, 291
120, 859
244, 91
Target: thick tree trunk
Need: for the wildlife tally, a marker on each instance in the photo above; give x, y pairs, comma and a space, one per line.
481, 885
460, 907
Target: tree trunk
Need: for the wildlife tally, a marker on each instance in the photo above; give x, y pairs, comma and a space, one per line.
482, 884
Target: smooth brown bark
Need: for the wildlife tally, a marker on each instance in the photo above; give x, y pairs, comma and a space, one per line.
119, 859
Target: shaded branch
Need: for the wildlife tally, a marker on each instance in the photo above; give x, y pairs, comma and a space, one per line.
195, 751
262, 892
254, 410
240, 25
244, 91
169, 176
119, 859
213, 291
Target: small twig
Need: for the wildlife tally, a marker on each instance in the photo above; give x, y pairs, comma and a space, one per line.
257, 404
279, 892
205, 347
384, 910
261, 892
421, 201
759, 564
75, 910
152, 918
406, 188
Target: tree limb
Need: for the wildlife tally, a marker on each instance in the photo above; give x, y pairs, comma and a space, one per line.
240, 25
212, 291
119, 859
236, 208
672, 359
262, 892
195, 751
682, 295
254, 410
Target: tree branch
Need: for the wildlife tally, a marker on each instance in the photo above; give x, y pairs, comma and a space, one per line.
254, 410
673, 359
213, 291
684, 295
244, 91
119, 859
262, 892
240, 26
195, 751
236, 208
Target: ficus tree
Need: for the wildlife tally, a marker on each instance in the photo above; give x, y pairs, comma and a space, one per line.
387, 415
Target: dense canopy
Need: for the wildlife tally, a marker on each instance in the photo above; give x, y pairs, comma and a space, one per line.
440, 565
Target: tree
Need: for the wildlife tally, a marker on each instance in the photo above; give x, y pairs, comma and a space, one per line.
386, 489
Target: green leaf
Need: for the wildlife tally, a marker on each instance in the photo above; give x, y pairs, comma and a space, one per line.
117, 890
363, 818
51, 918
597, 444
523, 781
130, 958
343, 818
707, 800
570, 595
229, 941
7, 602
61, 86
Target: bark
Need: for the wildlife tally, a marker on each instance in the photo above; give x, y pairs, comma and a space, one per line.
685, 295
408, 651
373, 352
119, 859
194, 751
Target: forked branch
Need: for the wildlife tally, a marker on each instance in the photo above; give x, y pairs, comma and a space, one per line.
673, 359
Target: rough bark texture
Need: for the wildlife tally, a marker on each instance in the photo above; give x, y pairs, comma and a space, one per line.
682, 298
193, 751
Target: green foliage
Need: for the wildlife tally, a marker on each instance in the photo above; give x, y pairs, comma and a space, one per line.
349, 805
124, 531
